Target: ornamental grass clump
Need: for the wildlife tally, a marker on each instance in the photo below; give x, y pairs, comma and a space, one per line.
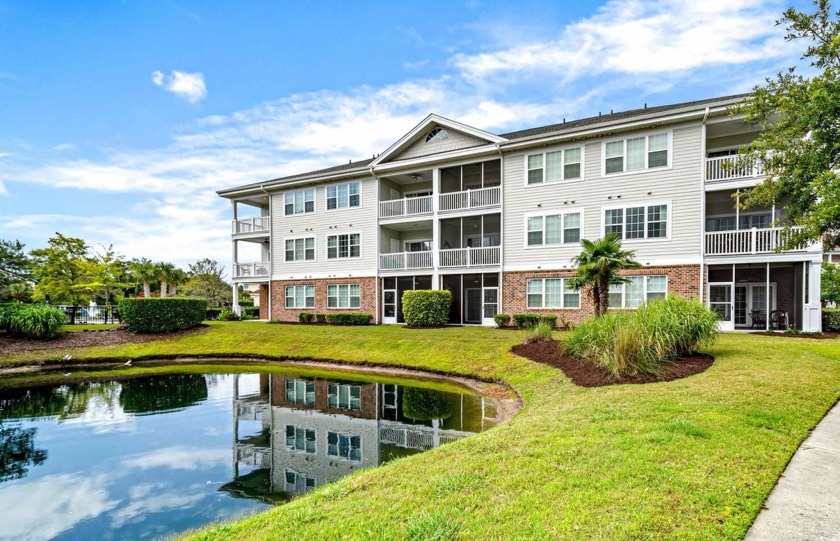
40, 321
628, 343
542, 332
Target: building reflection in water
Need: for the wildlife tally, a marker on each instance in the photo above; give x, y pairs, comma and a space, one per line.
313, 432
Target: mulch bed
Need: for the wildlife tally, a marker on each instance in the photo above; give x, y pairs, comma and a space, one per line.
588, 374
813, 336
81, 339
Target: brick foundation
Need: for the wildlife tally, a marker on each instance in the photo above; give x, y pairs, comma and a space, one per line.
683, 280
278, 297
263, 301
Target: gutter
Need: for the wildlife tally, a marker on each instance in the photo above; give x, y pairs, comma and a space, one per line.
703, 202
376, 260
270, 249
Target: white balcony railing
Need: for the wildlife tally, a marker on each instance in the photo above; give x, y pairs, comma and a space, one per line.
471, 199
748, 241
251, 270
406, 260
471, 257
730, 168
259, 224
409, 206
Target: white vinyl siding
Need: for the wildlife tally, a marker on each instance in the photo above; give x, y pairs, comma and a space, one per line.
548, 229
342, 196
302, 296
302, 249
299, 202
551, 293
638, 290
638, 221
345, 245
553, 166
344, 296
637, 153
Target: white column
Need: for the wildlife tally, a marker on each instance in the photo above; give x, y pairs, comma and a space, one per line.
236, 307
767, 297
435, 228
233, 274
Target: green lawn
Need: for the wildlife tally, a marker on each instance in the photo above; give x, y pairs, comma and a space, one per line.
90, 327
688, 459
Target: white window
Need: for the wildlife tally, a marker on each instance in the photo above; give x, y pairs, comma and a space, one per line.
344, 296
637, 153
345, 397
552, 293
342, 196
638, 222
344, 446
300, 391
298, 482
300, 296
638, 290
554, 166
551, 229
436, 135
300, 439
345, 245
418, 245
300, 249
299, 201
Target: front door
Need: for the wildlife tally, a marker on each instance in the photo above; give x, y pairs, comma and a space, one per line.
389, 306
491, 305
472, 299
721, 301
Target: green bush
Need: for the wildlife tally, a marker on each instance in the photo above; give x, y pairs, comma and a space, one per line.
156, 315
7, 310
321, 318
252, 311
426, 307
631, 342
227, 315
543, 332
425, 404
349, 318
212, 314
306, 317
33, 320
502, 320
549, 320
831, 319
525, 321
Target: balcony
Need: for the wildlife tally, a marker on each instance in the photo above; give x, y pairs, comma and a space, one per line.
725, 168
258, 225
406, 261
409, 206
471, 199
471, 257
748, 241
254, 271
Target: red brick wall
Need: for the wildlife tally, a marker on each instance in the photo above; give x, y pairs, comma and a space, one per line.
278, 297
368, 398
263, 301
683, 280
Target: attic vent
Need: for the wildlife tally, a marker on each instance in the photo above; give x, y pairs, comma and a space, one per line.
437, 134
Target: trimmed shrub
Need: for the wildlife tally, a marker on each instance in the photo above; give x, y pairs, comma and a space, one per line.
425, 404
212, 314
502, 320
426, 307
40, 321
549, 320
321, 318
526, 321
349, 318
227, 315
543, 332
831, 319
631, 342
306, 317
252, 311
168, 314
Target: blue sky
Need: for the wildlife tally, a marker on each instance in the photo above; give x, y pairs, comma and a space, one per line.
119, 120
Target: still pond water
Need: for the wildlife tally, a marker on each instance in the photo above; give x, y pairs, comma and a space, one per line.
151, 456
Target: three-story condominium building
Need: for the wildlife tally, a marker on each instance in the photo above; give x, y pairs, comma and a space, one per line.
496, 219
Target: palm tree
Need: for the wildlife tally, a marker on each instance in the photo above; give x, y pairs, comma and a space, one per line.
164, 272
176, 278
598, 266
145, 272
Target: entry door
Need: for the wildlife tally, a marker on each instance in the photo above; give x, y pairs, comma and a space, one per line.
741, 304
389, 306
720, 300
491, 305
472, 298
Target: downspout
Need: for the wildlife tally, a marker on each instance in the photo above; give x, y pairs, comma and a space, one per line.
270, 249
376, 259
703, 203
499, 305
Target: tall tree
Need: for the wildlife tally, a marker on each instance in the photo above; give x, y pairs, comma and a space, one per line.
206, 281
830, 283
165, 272
57, 268
799, 144
176, 278
143, 271
598, 267
104, 274
14, 264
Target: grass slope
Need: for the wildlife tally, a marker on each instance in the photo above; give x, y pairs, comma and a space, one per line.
688, 459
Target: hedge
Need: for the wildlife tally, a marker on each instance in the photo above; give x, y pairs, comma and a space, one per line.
524, 321
252, 311
502, 320
349, 318
426, 307
212, 314
831, 319
306, 317
167, 314
549, 320
40, 321
321, 318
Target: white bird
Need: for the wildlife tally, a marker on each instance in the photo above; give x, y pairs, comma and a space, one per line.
67, 357
127, 363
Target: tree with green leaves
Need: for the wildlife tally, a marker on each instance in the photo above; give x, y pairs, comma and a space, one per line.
104, 274
164, 272
14, 264
143, 271
599, 266
830, 283
799, 144
176, 278
58, 268
206, 281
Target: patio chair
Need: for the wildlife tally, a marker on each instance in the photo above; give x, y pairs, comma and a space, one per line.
758, 318
779, 320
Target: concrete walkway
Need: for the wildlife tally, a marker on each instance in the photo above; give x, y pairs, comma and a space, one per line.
805, 504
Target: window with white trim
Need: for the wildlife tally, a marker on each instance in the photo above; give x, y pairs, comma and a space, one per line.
551, 229
638, 290
300, 439
344, 396
552, 293
300, 391
637, 222
342, 196
637, 153
554, 166
298, 482
300, 249
300, 296
344, 245
299, 201
344, 446
344, 296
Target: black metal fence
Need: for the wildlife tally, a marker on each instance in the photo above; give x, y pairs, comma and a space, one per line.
86, 315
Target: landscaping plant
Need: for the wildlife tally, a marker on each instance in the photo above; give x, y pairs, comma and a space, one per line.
598, 267
349, 318
227, 315
155, 315
542, 332
526, 321
426, 307
502, 320
40, 321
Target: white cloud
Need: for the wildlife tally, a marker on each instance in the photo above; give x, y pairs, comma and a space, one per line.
144, 502
64, 147
179, 458
189, 86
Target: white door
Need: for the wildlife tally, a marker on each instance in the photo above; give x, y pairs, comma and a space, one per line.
491, 305
389, 306
721, 301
